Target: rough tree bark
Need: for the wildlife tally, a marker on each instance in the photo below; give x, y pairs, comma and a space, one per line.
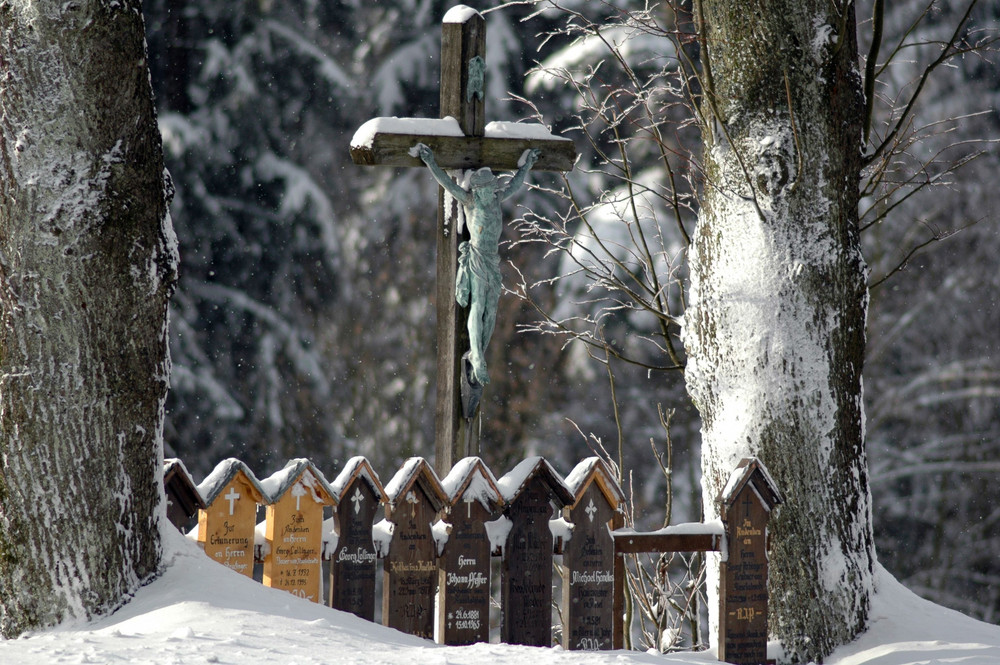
87, 264
775, 330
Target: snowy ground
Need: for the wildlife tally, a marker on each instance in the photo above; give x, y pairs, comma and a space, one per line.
200, 612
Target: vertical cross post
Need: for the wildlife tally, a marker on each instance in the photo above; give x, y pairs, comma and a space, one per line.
463, 37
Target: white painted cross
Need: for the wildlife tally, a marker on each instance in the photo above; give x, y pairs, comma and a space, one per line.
356, 499
468, 498
460, 139
591, 509
231, 497
299, 491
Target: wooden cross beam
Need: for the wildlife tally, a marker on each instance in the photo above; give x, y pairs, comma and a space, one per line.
460, 139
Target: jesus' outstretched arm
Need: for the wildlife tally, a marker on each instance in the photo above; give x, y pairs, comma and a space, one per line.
427, 157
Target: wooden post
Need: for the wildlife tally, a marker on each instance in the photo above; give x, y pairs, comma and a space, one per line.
589, 590
530, 489
462, 39
226, 524
352, 565
746, 505
464, 582
410, 569
294, 529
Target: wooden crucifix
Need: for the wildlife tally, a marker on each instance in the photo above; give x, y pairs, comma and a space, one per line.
459, 140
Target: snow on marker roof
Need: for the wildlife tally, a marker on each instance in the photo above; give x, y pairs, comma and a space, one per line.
280, 482
471, 478
514, 481
357, 467
222, 474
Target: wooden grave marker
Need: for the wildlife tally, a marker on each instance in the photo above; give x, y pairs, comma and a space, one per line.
183, 499
745, 505
460, 140
410, 571
464, 583
352, 564
589, 593
226, 524
294, 529
529, 490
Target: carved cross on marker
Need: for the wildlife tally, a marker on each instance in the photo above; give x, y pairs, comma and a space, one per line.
356, 499
298, 491
231, 496
465, 142
591, 509
746, 505
413, 500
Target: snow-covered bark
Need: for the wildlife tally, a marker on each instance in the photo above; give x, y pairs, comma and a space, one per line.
775, 326
87, 264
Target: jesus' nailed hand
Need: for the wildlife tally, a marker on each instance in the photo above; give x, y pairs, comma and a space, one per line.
478, 282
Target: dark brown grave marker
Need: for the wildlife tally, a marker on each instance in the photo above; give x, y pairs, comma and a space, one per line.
226, 524
589, 557
473, 499
352, 564
294, 529
183, 499
410, 569
529, 489
745, 506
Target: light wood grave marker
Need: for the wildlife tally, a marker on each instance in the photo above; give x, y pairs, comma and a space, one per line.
589, 593
226, 524
529, 489
460, 140
294, 529
410, 570
745, 505
352, 566
473, 500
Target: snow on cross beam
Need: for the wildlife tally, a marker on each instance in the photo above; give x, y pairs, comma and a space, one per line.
390, 141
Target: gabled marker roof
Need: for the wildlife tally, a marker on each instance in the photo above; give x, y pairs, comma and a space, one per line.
751, 469
594, 469
416, 471
174, 468
358, 468
278, 483
514, 481
223, 474
462, 478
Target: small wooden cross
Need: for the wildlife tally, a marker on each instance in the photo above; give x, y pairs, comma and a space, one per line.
463, 142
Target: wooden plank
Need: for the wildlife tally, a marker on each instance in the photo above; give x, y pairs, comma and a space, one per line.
589, 588
465, 152
294, 533
638, 543
410, 569
226, 528
352, 568
465, 577
526, 584
743, 582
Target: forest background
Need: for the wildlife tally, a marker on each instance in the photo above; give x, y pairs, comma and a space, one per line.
303, 321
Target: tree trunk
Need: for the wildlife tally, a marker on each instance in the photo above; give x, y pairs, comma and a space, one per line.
775, 328
87, 264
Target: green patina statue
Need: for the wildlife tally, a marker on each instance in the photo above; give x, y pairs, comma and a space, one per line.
478, 282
